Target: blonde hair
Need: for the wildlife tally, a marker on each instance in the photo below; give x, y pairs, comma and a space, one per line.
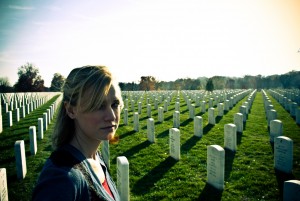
95, 79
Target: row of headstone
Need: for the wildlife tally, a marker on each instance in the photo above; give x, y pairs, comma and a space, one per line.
283, 146
216, 153
156, 98
20, 105
291, 106
19, 146
275, 125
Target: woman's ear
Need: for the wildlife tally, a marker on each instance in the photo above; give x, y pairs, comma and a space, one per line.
69, 109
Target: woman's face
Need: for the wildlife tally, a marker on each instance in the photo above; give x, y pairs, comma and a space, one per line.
100, 124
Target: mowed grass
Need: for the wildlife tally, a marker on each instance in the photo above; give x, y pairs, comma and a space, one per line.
154, 175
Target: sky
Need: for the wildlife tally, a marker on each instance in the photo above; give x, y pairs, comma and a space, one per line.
167, 39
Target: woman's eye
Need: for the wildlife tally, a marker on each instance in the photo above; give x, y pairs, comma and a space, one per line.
115, 104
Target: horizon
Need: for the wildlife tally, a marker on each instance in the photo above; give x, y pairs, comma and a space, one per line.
168, 40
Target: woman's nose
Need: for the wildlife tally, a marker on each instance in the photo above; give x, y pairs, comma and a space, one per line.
110, 114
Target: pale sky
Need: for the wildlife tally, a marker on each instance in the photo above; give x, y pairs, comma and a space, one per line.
167, 39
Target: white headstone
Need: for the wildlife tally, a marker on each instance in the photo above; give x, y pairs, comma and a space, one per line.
123, 178
220, 109
226, 106
136, 121
298, 116
166, 104
293, 108
230, 137
216, 166
238, 121
192, 111
149, 110
140, 107
203, 106
40, 129
198, 126
1, 125
160, 114
174, 143
177, 106
45, 120
105, 152
176, 119
3, 185
126, 116
291, 190
32, 138
272, 115
211, 103
17, 114
283, 154
23, 109
276, 129
10, 119
211, 116
243, 110
20, 159
150, 130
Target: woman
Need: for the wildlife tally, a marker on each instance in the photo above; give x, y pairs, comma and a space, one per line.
89, 113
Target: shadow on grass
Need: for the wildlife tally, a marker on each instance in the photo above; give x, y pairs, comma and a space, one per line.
146, 117
207, 128
210, 193
244, 125
168, 118
136, 149
127, 134
281, 178
229, 158
147, 182
163, 134
218, 119
190, 143
239, 137
186, 122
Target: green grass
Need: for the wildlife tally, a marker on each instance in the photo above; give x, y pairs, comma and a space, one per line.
249, 172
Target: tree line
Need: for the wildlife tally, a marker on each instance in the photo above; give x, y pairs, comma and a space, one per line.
287, 81
31, 81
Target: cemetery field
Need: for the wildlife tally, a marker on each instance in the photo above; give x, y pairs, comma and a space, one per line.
154, 174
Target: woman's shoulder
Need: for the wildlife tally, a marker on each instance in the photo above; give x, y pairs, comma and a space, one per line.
60, 181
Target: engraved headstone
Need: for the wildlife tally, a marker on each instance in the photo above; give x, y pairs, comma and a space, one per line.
20, 159
283, 154
230, 137
126, 116
3, 185
176, 119
211, 116
216, 166
198, 126
160, 114
40, 129
291, 190
174, 143
136, 121
123, 178
238, 121
32, 138
151, 130
276, 129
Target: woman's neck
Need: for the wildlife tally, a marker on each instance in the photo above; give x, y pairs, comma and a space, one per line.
88, 149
